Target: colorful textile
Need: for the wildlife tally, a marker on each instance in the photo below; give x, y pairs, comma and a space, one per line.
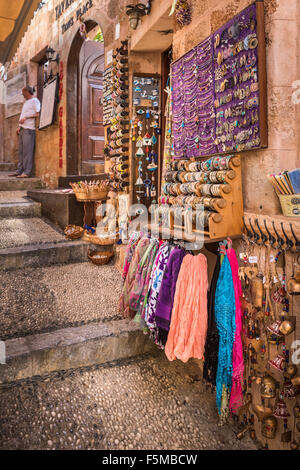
188, 327
212, 340
236, 396
155, 284
166, 295
225, 320
124, 306
139, 288
134, 239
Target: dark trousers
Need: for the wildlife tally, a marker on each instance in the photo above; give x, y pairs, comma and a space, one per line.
26, 151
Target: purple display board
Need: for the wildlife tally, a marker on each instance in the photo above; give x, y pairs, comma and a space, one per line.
216, 92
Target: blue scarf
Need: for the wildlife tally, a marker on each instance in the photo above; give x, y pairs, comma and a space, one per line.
225, 320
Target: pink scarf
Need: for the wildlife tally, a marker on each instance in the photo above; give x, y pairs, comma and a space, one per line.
188, 327
236, 396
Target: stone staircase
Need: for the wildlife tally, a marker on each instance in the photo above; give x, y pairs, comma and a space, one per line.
27, 239
57, 310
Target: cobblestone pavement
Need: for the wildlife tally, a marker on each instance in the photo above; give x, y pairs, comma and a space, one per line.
36, 300
145, 403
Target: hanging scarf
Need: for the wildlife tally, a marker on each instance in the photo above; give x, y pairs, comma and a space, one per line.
155, 284
225, 320
166, 294
139, 251
134, 239
188, 327
141, 283
236, 396
212, 339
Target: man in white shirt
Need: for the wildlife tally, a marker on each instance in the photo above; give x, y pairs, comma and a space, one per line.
26, 132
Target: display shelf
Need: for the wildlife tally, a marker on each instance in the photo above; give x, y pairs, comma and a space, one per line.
225, 218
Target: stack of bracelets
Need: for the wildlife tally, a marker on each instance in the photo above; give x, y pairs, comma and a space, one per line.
198, 183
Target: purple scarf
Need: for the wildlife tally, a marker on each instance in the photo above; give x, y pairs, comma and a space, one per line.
167, 291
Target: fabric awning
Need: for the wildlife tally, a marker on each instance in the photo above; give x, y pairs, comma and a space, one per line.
15, 16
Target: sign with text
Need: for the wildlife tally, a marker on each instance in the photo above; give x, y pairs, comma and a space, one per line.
48, 104
64, 5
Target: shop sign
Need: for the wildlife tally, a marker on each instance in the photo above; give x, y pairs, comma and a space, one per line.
60, 116
64, 5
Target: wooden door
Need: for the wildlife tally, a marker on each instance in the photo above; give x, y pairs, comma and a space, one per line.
92, 129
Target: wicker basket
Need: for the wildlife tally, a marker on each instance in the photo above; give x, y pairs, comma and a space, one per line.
98, 241
290, 205
100, 257
72, 232
84, 196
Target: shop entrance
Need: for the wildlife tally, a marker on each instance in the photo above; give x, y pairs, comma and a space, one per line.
85, 130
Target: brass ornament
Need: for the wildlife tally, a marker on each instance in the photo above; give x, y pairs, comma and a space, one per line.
294, 445
287, 326
296, 411
269, 427
251, 272
293, 285
261, 412
268, 387
291, 371
296, 381
242, 433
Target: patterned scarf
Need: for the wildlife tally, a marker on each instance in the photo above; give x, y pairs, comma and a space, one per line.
155, 283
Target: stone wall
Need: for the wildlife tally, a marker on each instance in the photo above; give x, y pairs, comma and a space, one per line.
45, 30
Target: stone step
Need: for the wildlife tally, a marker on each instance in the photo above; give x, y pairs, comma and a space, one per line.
72, 348
17, 232
58, 206
7, 166
28, 208
8, 183
43, 254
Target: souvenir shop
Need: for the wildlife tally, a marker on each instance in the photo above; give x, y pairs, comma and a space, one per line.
178, 143
233, 303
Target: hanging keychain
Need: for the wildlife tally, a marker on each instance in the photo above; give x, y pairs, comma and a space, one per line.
147, 184
153, 192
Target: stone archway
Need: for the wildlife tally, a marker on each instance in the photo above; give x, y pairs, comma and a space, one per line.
85, 68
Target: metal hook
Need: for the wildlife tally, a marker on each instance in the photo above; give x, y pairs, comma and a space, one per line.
280, 240
272, 239
256, 236
263, 237
288, 241
297, 244
249, 234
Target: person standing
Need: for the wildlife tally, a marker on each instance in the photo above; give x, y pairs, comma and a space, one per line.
26, 132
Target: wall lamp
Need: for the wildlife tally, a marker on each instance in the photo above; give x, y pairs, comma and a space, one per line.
50, 55
135, 13
50, 58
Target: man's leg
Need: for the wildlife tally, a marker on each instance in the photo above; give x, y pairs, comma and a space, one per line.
20, 169
28, 153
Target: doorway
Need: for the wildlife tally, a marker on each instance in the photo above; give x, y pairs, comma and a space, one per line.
85, 130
